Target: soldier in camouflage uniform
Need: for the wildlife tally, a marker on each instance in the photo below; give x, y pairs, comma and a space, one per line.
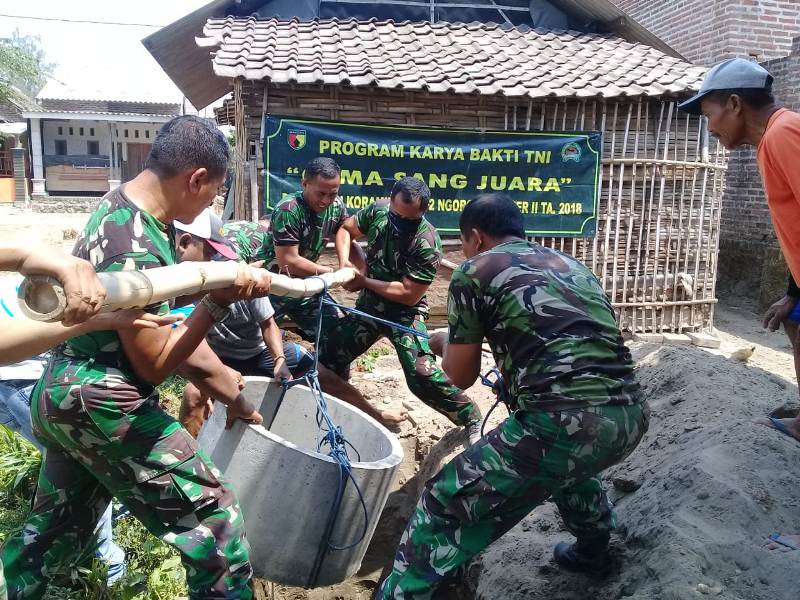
300, 236
250, 241
576, 407
96, 411
403, 253
300, 227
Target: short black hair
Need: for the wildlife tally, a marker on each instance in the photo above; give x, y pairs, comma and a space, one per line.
189, 142
410, 189
496, 215
322, 166
753, 97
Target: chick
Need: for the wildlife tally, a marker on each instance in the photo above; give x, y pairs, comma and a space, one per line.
743, 354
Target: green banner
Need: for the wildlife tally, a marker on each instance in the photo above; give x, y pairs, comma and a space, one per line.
553, 176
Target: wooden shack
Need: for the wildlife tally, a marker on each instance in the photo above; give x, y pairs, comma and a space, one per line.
655, 248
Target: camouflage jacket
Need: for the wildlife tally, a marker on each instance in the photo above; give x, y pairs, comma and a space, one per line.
549, 323
295, 224
391, 259
119, 236
251, 241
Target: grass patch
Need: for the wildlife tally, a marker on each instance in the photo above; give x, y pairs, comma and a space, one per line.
154, 570
170, 394
368, 361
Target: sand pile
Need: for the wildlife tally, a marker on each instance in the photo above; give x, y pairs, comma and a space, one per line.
713, 486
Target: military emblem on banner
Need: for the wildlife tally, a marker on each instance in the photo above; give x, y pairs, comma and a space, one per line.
297, 138
571, 151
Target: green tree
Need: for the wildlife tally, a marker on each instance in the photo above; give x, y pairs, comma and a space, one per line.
22, 65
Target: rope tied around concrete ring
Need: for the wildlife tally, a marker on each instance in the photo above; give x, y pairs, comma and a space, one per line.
498, 385
333, 437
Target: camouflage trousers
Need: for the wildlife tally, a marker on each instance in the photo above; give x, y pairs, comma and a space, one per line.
351, 336
95, 450
494, 484
304, 312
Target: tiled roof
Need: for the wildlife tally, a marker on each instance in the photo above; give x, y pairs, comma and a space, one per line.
474, 58
44, 111
13, 105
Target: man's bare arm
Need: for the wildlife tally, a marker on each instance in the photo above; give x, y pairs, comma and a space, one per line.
462, 363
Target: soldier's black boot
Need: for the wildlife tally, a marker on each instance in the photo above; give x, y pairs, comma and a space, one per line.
587, 555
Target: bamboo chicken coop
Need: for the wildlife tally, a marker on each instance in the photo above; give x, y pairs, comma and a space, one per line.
656, 243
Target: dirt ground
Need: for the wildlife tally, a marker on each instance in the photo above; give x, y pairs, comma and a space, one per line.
711, 485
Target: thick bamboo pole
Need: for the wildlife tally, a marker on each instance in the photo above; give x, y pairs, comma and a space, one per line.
42, 298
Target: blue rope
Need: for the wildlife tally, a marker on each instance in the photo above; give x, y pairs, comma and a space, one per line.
333, 438
392, 324
498, 385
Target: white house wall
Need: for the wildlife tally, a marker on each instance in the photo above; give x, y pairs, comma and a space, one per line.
77, 143
79, 172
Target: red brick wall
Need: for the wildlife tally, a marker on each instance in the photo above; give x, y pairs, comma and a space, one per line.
745, 215
706, 31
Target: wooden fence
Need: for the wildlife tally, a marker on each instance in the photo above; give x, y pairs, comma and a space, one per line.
656, 246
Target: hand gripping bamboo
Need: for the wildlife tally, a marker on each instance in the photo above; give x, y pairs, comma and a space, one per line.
42, 298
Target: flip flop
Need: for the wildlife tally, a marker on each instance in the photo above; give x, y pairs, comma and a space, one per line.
777, 538
779, 426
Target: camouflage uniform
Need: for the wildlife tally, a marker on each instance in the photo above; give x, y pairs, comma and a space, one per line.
251, 241
105, 435
293, 223
391, 259
577, 411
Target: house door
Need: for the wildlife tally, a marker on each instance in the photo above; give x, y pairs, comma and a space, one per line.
137, 154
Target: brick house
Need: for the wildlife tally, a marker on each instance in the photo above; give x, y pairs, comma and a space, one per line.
705, 32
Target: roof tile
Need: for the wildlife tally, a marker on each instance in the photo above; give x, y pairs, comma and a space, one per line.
482, 58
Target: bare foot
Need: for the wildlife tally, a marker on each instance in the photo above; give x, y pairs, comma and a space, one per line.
790, 427
390, 419
784, 543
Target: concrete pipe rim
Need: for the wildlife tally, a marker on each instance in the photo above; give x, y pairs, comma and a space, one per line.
394, 458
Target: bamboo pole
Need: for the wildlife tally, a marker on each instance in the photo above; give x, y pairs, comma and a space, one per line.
650, 212
690, 218
659, 208
677, 316
670, 214
240, 152
621, 187
599, 195
713, 245
606, 243
42, 298
666, 303
673, 163
631, 217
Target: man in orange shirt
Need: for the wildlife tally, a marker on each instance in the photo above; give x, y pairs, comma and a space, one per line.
736, 98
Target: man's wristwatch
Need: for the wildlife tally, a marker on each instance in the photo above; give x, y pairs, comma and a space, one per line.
217, 312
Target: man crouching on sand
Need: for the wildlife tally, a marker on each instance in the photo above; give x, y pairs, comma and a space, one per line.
576, 407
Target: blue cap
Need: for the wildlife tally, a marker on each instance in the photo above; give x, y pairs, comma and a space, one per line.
731, 74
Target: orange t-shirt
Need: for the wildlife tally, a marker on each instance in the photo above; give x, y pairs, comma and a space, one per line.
778, 156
